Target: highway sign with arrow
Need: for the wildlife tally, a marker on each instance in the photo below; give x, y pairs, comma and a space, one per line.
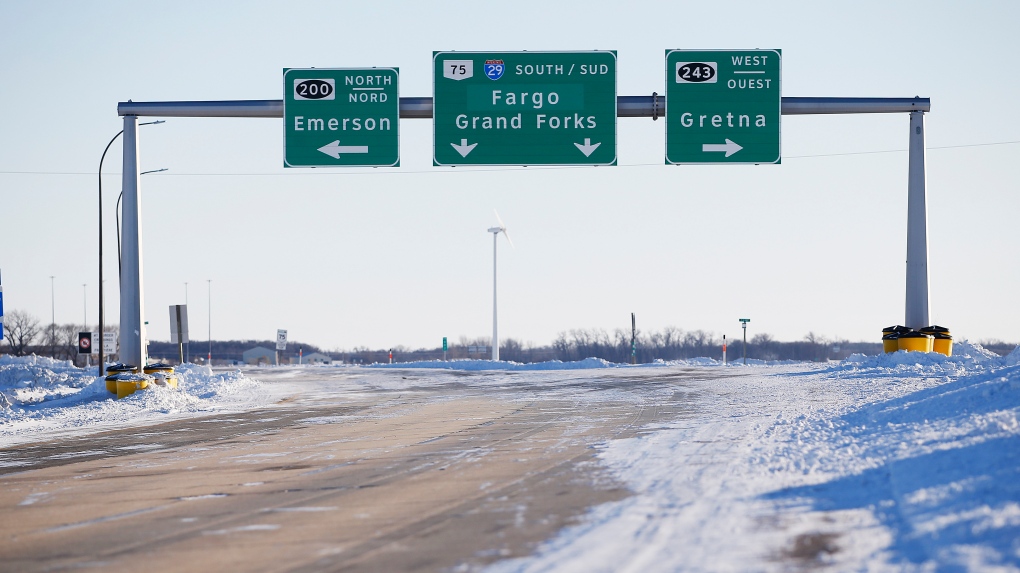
347, 117
723, 106
524, 108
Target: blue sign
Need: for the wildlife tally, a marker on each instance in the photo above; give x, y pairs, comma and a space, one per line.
1, 304
494, 69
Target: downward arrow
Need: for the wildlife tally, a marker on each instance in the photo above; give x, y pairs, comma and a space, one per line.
587, 149
463, 149
335, 149
729, 147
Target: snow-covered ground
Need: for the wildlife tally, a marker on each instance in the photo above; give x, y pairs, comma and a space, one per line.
44, 399
899, 462
895, 462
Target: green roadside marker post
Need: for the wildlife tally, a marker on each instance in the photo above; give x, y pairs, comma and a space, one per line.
524, 108
341, 117
723, 106
444, 349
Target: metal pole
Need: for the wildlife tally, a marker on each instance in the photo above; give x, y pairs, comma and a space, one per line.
209, 358
917, 228
102, 282
633, 339
495, 330
187, 347
132, 320
744, 325
53, 320
626, 106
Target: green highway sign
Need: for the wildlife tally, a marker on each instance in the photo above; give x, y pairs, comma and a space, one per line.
524, 108
341, 117
723, 106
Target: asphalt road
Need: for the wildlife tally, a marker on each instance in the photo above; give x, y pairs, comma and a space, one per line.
451, 471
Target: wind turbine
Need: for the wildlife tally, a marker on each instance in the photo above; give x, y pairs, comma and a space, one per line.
495, 331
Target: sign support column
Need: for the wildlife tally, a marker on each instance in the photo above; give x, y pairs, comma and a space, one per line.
132, 321
917, 228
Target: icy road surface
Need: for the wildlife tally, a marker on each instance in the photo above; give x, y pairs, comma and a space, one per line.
892, 463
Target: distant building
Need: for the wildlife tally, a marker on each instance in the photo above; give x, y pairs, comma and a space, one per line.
313, 358
259, 355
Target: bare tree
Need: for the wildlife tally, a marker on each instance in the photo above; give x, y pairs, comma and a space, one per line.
20, 330
763, 346
67, 342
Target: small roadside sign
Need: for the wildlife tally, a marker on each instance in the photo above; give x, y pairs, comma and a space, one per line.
84, 343
109, 343
95, 343
444, 344
281, 339
179, 324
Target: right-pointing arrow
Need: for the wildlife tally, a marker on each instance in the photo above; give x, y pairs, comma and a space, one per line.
463, 149
729, 147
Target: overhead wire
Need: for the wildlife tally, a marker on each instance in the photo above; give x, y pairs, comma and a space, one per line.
482, 169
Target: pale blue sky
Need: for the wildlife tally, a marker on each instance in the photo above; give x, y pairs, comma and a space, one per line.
379, 258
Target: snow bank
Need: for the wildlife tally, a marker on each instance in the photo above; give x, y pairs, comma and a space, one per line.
587, 363
43, 398
899, 462
475, 365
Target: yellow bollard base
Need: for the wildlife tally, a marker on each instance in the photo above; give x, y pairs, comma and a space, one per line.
943, 346
915, 343
166, 381
125, 388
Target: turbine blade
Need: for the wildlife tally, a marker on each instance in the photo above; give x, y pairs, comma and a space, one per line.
507, 235
501, 225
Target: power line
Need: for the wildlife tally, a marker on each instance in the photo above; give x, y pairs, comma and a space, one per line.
467, 169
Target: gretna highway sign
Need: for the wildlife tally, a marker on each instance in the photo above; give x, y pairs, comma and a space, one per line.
341, 117
723, 106
524, 108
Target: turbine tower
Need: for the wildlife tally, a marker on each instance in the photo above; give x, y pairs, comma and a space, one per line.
495, 330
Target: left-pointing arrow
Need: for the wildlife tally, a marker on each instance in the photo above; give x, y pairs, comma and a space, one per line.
334, 149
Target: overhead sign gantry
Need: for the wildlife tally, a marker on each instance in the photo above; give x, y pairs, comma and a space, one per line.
484, 85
